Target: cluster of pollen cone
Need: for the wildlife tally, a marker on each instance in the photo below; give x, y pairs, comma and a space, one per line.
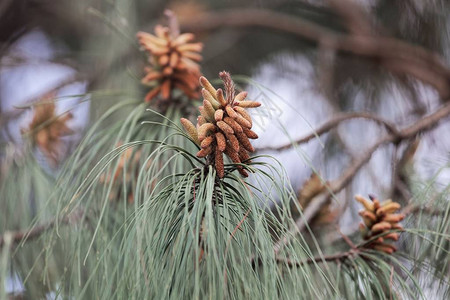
380, 218
224, 126
173, 62
47, 129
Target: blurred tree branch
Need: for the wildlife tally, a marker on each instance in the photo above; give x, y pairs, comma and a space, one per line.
7, 116
37, 231
393, 54
339, 118
335, 186
338, 257
27, 235
356, 19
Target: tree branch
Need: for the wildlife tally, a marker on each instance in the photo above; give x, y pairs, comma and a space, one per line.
320, 259
332, 124
17, 112
414, 208
338, 184
37, 231
18, 236
314, 260
356, 19
422, 125
395, 55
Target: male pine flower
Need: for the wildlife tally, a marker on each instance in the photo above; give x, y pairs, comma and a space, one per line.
379, 218
173, 63
46, 129
224, 126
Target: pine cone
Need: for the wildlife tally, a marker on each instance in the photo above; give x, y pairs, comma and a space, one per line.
46, 129
173, 62
380, 218
224, 126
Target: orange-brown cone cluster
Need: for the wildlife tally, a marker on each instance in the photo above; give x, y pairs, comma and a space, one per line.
174, 63
380, 218
46, 129
224, 126
310, 189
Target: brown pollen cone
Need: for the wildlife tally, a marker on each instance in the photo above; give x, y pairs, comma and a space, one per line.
220, 129
173, 61
46, 129
314, 186
378, 219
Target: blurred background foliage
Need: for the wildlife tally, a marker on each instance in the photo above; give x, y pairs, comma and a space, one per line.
296, 57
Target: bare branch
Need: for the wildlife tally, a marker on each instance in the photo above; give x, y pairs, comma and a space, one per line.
18, 236
37, 231
7, 116
335, 257
332, 124
339, 257
356, 19
338, 184
414, 208
395, 55
422, 125
346, 239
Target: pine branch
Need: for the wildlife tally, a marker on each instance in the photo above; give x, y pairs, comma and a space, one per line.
355, 18
332, 124
320, 259
337, 185
19, 235
420, 126
37, 231
338, 257
7, 116
412, 208
393, 54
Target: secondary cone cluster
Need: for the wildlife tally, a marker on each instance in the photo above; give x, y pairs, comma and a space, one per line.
224, 125
313, 187
173, 62
46, 129
379, 218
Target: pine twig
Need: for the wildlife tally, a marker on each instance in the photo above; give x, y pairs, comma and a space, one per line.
19, 235
424, 124
346, 239
319, 259
355, 18
37, 231
412, 208
338, 257
7, 116
395, 55
332, 124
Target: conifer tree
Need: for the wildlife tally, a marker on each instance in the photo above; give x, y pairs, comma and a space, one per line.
171, 190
